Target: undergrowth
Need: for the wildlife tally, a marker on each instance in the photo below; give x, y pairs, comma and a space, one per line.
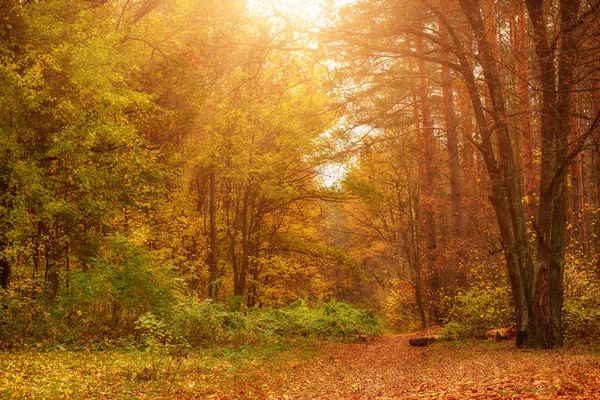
128, 299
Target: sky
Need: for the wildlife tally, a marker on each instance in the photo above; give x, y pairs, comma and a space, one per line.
314, 15
311, 11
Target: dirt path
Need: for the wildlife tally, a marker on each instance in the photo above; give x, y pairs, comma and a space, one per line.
390, 369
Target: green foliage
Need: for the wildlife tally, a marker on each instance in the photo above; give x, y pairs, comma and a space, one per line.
581, 310
22, 313
401, 310
333, 320
165, 349
481, 307
120, 286
101, 303
207, 323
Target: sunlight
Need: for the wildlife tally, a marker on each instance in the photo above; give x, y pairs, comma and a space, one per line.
313, 12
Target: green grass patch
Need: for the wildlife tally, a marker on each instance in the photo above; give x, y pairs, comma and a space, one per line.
133, 373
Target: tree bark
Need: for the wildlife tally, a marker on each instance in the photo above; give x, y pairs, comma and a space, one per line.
213, 272
426, 158
556, 109
4, 268
506, 192
452, 137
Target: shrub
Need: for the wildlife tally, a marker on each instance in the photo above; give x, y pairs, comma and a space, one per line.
23, 314
480, 308
204, 323
207, 323
101, 303
110, 297
581, 311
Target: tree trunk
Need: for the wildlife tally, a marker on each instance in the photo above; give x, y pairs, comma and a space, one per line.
556, 109
239, 287
524, 104
577, 215
506, 192
4, 268
452, 136
426, 158
4, 263
213, 272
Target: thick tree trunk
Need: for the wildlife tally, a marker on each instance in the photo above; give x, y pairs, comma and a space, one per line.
545, 59
569, 11
506, 193
556, 109
537, 287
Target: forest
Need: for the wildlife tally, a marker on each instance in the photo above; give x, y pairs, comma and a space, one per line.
217, 199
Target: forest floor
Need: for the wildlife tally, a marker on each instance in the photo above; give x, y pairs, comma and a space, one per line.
387, 368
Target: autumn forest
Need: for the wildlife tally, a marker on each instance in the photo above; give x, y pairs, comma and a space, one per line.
206, 195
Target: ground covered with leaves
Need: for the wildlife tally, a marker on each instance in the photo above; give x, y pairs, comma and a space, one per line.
387, 368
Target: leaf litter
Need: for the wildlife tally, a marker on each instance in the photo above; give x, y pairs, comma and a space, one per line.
387, 368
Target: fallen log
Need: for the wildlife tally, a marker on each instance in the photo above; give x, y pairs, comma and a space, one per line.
501, 334
473, 334
421, 341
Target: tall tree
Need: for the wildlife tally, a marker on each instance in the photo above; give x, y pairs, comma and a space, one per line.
535, 273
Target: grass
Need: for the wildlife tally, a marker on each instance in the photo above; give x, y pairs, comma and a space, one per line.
122, 374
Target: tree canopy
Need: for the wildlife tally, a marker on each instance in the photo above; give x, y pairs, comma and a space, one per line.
155, 154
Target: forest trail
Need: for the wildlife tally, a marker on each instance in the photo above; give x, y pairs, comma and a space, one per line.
387, 368
390, 369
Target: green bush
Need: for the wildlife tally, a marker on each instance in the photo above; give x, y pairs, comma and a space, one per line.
102, 303
480, 308
207, 323
119, 287
333, 320
581, 311
125, 298
204, 323
23, 314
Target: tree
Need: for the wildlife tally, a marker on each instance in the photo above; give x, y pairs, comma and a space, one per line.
535, 274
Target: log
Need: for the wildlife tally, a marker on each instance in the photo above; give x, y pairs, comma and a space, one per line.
474, 334
421, 341
501, 334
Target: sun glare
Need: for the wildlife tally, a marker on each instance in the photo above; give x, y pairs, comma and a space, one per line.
311, 12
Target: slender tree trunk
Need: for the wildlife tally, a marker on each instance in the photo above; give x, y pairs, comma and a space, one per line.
213, 272
452, 136
577, 216
4, 267
239, 288
416, 261
524, 103
51, 273
426, 157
